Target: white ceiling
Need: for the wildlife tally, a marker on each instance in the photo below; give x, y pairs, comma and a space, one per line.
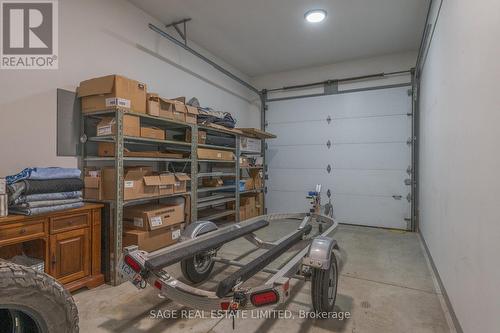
264, 36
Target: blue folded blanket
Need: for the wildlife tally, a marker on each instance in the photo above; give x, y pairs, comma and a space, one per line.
44, 174
45, 203
47, 196
42, 210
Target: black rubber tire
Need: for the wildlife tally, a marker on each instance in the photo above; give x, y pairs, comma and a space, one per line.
24, 291
321, 281
193, 275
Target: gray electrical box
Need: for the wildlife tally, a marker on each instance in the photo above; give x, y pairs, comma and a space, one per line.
68, 123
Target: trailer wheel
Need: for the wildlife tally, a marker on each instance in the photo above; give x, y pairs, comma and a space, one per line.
31, 301
324, 287
198, 268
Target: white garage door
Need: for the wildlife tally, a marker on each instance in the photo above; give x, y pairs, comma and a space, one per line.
368, 155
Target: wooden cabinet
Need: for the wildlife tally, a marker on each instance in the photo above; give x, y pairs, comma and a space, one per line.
70, 255
72, 250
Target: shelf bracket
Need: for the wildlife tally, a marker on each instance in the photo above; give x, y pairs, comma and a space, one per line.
183, 32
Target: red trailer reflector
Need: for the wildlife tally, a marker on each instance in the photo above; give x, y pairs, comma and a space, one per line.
133, 264
264, 298
224, 305
286, 285
158, 284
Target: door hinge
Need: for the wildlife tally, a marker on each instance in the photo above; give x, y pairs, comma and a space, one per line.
397, 197
328, 168
409, 182
408, 197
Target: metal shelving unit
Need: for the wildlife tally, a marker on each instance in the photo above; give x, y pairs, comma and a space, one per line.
119, 161
208, 203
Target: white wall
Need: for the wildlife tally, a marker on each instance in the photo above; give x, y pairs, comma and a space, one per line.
358, 67
98, 38
460, 159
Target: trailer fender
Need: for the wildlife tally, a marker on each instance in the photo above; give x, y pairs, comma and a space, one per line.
197, 229
320, 252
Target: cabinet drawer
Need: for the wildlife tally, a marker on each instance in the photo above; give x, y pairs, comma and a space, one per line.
70, 222
21, 231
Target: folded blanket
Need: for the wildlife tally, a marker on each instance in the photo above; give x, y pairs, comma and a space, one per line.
47, 196
42, 210
44, 174
27, 187
45, 203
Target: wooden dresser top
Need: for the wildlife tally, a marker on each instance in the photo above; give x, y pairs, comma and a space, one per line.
18, 218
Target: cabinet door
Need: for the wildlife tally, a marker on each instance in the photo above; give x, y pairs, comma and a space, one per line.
70, 255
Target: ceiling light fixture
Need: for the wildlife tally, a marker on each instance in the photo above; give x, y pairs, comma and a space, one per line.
315, 15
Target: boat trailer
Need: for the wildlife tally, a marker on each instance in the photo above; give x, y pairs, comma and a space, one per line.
197, 253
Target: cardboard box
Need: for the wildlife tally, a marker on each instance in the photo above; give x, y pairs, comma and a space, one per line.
242, 210
172, 109
214, 182
131, 126
167, 183
110, 92
259, 204
152, 133
153, 216
152, 240
153, 104
180, 185
92, 180
202, 136
191, 114
257, 176
107, 149
250, 145
214, 154
134, 186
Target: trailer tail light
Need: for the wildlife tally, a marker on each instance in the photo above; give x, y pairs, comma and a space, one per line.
224, 306
264, 298
133, 264
158, 284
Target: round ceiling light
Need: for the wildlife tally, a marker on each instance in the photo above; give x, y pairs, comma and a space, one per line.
315, 15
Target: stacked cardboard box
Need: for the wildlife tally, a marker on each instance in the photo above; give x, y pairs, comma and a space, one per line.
112, 91
139, 182
116, 91
250, 206
154, 226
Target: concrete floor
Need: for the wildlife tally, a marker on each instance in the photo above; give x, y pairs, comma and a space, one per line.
386, 285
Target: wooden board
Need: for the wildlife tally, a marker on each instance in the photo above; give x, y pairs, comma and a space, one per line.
257, 133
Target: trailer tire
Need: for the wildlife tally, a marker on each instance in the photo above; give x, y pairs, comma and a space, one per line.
324, 288
198, 268
34, 301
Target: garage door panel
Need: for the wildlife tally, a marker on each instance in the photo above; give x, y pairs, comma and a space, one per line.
355, 156
299, 110
373, 103
373, 129
348, 182
368, 157
376, 211
303, 133
350, 209
392, 101
387, 156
